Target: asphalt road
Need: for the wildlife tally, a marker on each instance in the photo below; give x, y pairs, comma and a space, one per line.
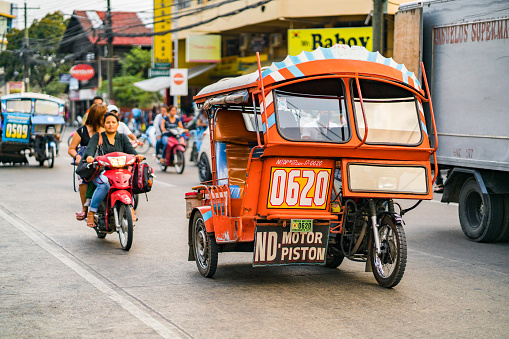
58, 280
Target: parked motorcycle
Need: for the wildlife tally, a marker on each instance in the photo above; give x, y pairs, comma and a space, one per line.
114, 213
174, 155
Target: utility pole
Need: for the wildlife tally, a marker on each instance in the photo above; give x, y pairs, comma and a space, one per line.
109, 34
26, 69
378, 25
175, 4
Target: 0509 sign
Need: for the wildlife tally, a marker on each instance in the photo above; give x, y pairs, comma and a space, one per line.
299, 188
16, 131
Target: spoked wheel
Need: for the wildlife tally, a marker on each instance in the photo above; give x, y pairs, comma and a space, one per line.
179, 162
389, 266
205, 248
145, 147
51, 160
125, 232
163, 165
204, 171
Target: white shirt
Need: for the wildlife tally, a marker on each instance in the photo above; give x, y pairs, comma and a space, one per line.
157, 124
123, 129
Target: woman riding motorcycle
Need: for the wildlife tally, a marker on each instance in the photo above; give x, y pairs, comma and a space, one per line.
169, 122
111, 142
93, 124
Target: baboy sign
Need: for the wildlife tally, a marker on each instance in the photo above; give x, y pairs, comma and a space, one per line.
178, 81
277, 245
82, 72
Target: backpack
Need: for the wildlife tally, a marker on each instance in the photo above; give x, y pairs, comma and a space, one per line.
142, 178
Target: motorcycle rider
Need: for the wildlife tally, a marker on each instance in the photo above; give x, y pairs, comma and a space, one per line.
112, 142
122, 127
157, 126
169, 122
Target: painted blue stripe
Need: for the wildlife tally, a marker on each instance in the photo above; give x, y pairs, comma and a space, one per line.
234, 191
405, 78
295, 71
327, 53
271, 120
279, 65
266, 72
423, 126
295, 59
372, 56
387, 61
417, 82
207, 216
399, 67
309, 55
264, 128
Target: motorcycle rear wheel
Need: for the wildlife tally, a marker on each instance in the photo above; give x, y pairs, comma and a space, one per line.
180, 162
125, 232
389, 266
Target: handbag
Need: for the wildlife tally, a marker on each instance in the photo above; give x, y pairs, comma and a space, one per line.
83, 169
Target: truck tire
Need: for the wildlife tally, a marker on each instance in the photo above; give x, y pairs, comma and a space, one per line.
504, 230
480, 215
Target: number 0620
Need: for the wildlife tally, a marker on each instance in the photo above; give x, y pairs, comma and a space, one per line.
299, 188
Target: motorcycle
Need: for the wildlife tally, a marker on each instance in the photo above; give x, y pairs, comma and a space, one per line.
197, 137
148, 139
175, 150
114, 213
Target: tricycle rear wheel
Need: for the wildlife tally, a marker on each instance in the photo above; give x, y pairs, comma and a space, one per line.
205, 248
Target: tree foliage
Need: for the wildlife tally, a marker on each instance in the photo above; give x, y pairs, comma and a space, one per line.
128, 95
137, 62
41, 54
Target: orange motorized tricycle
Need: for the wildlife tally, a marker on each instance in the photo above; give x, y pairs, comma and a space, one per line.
307, 156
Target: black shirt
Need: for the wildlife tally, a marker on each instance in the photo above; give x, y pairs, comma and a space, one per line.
83, 133
122, 144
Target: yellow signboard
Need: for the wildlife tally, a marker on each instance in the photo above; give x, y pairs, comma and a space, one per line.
310, 39
235, 65
162, 44
203, 48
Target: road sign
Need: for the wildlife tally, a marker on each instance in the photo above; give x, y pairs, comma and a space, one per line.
65, 78
158, 72
178, 81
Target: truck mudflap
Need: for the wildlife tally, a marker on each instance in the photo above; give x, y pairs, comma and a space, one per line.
297, 242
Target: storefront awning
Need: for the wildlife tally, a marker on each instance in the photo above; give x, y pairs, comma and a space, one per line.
159, 83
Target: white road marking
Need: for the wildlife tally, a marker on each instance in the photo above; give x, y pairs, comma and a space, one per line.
58, 253
157, 182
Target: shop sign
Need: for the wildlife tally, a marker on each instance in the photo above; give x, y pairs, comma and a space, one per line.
82, 72
15, 87
158, 72
235, 65
203, 48
310, 39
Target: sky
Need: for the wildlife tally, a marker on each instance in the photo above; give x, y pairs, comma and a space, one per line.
68, 6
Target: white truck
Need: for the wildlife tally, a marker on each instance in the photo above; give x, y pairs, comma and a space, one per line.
465, 49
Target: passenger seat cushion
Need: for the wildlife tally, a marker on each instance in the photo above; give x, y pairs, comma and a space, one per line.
230, 127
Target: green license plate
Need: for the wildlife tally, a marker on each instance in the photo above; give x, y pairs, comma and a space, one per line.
301, 225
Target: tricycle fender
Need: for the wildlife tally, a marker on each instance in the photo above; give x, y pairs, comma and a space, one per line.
206, 213
122, 196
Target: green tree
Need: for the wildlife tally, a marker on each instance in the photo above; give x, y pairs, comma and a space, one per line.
128, 95
137, 62
41, 54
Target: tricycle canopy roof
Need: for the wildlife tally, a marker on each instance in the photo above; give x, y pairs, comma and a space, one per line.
291, 68
30, 95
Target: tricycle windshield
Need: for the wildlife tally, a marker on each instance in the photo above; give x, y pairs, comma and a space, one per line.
46, 107
391, 114
18, 106
306, 117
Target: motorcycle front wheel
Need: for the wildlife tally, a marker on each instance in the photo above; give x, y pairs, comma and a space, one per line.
125, 232
143, 149
180, 162
389, 265
51, 160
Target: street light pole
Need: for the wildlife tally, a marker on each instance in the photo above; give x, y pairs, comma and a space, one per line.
109, 34
175, 46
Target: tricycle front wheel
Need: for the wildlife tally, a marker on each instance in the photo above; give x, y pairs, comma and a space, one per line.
205, 248
389, 265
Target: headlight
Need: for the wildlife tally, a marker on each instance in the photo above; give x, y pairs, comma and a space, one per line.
117, 161
50, 130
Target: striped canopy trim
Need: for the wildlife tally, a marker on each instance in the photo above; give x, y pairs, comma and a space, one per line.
336, 52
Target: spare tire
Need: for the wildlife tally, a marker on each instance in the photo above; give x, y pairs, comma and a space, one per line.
480, 214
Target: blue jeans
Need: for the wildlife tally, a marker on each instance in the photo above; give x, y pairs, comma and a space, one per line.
102, 187
159, 145
164, 142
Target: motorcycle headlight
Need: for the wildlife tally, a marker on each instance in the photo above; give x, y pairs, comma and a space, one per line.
117, 161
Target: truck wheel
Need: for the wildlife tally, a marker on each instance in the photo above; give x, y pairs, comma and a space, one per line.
334, 257
503, 234
480, 215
